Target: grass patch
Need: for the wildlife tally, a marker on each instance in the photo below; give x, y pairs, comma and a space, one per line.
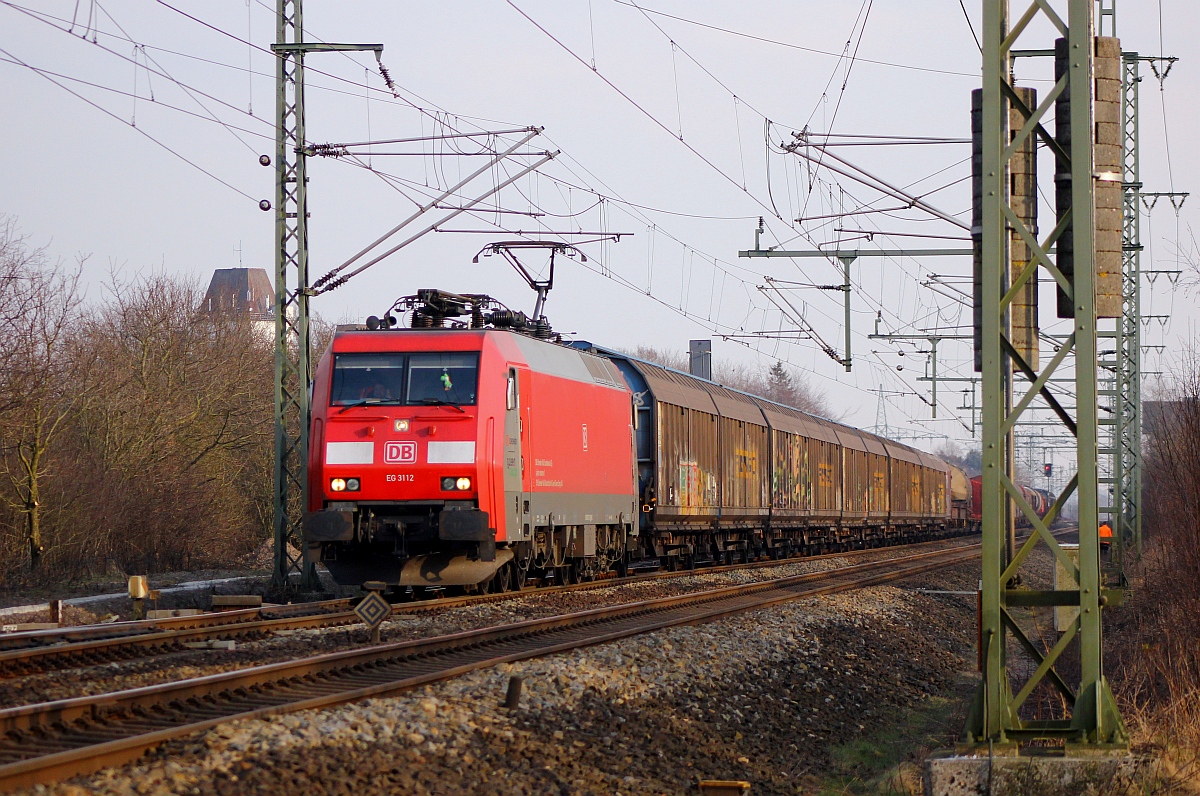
885, 762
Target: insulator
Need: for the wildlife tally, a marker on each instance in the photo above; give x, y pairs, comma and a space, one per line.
508, 319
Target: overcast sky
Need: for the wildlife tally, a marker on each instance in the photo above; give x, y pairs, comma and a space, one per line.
661, 117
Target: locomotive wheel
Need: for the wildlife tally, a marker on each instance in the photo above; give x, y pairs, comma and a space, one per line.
570, 574
503, 580
518, 577
622, 567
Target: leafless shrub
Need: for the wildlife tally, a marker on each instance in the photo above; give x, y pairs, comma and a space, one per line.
1155, 642
38, 301
137, 433
177, 431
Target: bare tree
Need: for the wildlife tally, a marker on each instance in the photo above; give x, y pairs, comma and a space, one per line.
1156, 640
780, 383
39, 302
179, 431
1187, 254
667, 357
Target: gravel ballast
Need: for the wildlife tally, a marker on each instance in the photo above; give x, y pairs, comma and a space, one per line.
791, 698
431, 621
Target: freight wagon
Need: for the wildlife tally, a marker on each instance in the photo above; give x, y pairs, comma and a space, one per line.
1038, 499
722, 473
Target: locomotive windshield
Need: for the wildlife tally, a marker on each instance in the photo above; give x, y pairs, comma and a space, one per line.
422, 379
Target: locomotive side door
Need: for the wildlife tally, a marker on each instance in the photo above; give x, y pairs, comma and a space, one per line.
516, 499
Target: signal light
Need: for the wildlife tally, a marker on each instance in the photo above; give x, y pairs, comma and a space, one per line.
1049, 469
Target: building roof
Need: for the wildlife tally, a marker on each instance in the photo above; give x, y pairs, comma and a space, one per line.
241, 290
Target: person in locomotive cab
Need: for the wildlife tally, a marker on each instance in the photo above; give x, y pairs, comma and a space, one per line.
377, 391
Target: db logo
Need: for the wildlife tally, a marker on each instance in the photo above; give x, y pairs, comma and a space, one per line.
400, 452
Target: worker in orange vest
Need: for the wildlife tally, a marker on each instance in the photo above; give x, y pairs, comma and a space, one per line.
1106, 535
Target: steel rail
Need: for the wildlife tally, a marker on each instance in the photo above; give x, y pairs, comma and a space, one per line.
50, 741
89, 645
61, 635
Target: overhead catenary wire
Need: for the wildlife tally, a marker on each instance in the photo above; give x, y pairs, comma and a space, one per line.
792, 46
870, 180
186, 89
705, 159
128, 59
652, 209
329, 277
157, 102
732, 332
109, 113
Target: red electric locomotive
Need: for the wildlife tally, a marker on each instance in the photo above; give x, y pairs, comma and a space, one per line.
436, 454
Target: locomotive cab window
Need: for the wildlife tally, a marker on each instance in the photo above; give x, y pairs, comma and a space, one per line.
423, 379
448, 378
367, 378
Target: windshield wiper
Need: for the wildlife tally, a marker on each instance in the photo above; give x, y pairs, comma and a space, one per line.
363, 402
440, 402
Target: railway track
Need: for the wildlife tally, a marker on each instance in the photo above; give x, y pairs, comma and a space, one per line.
40, 651
55, 740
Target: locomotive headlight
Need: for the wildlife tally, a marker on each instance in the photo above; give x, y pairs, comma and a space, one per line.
401, 425
337, 485
463, 483
447, 484
452, 484
352, 485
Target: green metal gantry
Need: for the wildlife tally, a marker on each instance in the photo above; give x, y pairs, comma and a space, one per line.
1124, 370
292, 355
1091, 717
1127, 470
